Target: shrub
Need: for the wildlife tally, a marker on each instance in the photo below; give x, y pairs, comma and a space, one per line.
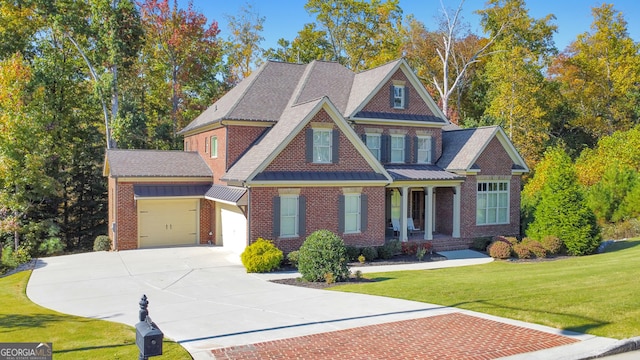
409, 248
389, 249
293, 258
261, 256
511, 240
370, 253
352, 252
362, 259
536, 248
552, 244
323, 252
13, 259
522, 251
358, 275
102, 243
622, 230
481, 244
420, 252
51, 246
500, 249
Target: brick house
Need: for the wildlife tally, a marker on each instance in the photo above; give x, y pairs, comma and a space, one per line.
295, 148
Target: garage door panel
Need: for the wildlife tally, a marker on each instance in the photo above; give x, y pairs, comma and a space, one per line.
234, 228
167, 222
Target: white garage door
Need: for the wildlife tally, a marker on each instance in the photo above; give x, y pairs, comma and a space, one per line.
167, 222
233, 227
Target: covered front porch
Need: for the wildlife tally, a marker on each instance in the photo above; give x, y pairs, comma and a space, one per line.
423, 204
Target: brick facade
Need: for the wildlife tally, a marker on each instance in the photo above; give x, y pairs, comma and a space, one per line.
380, 102
121, 199
322, 213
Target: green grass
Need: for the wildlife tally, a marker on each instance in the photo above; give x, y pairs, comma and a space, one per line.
72, 337
598, 294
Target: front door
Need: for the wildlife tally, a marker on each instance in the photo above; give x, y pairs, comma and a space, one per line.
417, 208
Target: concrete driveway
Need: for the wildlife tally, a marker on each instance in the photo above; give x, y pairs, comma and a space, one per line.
202, 298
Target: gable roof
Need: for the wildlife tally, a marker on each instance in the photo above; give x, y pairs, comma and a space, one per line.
293, 120
276, 86
154, 163
461, 148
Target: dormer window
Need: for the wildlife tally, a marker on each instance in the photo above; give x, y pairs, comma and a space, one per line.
398, 97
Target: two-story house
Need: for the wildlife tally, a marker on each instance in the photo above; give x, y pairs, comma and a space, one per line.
295, 148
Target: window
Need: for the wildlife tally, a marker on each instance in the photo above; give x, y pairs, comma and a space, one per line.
352, 213
289, 216
398, 97
397, 148
492, 204
214, 146
321, 146
373, 143
424, 149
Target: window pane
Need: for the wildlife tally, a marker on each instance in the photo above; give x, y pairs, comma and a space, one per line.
491, 216
321, 146
502, 215
289, 216
481, 216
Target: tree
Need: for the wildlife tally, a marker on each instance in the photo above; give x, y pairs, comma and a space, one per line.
24, 182
518, 96
606, 196
310, 44
562, 210
622, 148
182, 48
446, 55
362, 34
600, 73
243, 48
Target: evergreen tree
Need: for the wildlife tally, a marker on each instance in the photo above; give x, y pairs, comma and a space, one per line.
562, 210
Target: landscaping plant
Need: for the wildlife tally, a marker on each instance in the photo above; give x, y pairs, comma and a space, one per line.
261, 256
323, 252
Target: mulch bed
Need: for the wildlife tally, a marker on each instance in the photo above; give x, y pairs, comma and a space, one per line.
395, 260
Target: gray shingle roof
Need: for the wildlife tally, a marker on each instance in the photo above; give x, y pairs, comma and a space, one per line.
420, 172
259, 152
461, 147
326, 79
155, 163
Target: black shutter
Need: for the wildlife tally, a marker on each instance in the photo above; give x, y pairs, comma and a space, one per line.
407, 149
406, 97
335, 146
364, 138
385, 148
364, 212
433, 150
276, 217
391, 97
302, 216
416, 142
341, 214
309, 145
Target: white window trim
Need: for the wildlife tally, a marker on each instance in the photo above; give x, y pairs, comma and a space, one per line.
213, 149
316, 147
402, 156
357, 213
427, 150
377, 152
296, 216
497, 208
398, 94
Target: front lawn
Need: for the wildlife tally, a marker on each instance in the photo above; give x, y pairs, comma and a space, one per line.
598, 294
72, 337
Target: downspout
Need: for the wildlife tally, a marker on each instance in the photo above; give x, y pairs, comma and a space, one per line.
248, 241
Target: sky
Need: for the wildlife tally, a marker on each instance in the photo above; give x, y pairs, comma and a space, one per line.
284, 18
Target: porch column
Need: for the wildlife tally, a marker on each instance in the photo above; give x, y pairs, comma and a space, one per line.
456, 212
428, 216
403, 213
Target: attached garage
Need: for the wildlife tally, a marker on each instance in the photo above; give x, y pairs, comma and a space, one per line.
168, 222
